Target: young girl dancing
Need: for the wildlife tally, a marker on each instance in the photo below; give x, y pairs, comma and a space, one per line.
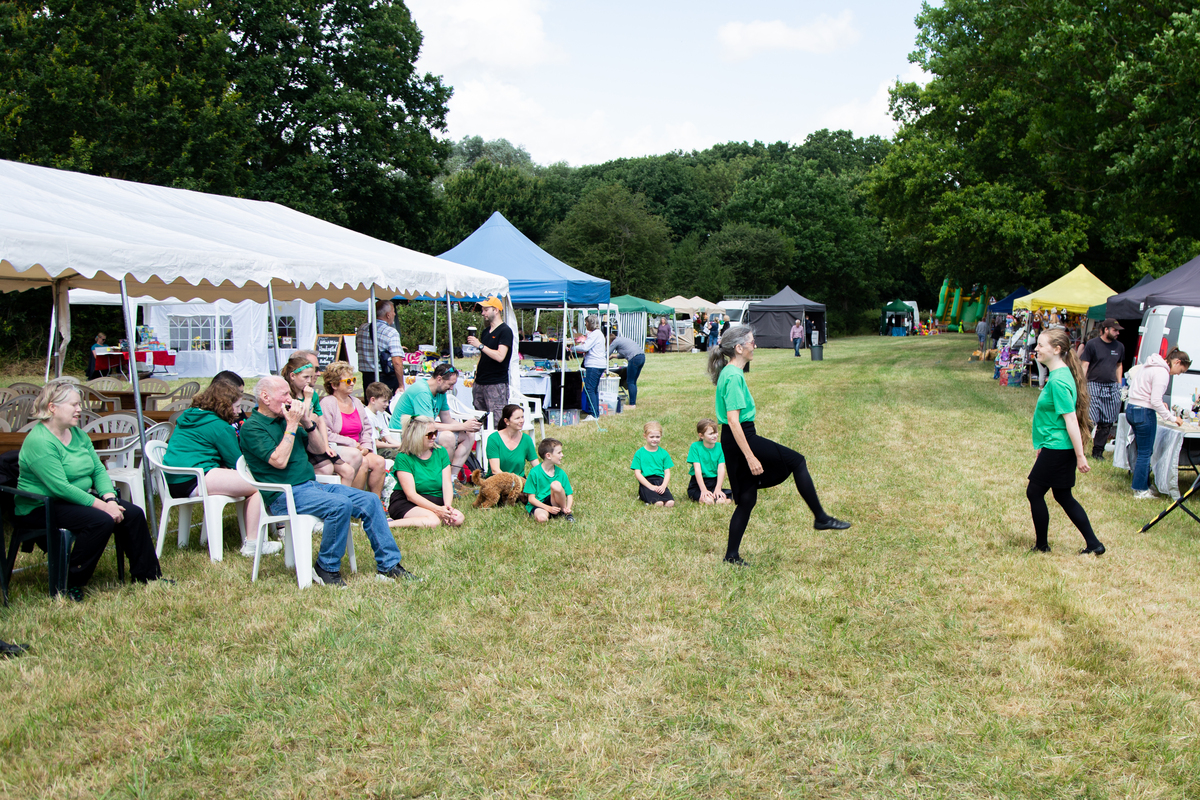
651, 466
1060, 426
753, 461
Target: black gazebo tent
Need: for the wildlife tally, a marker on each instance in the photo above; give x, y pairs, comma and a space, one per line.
772, 318
1179, 287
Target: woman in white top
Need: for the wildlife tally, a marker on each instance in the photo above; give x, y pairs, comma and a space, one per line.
1146, 390
595, 359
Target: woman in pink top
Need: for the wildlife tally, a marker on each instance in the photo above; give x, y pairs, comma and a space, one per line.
350, 427
1146, 390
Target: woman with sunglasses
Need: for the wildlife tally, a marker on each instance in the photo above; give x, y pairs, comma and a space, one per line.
300, 372
424, 497
350, 428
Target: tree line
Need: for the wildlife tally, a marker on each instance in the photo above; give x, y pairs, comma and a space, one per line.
1051, 132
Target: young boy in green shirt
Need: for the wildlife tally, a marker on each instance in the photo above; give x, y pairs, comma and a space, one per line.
548, 487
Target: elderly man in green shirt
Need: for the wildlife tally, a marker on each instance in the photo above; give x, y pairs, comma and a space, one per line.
274, 441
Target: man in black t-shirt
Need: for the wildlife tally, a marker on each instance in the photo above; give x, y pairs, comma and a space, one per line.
490, 392
1103, 365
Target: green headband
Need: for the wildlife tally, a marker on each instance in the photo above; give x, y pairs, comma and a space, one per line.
297, 371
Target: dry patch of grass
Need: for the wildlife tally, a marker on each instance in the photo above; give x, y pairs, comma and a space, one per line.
924, 652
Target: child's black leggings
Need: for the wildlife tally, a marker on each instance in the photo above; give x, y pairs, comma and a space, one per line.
1036, 493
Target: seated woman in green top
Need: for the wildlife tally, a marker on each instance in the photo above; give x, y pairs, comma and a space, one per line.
203, 438
425, 497
58, 460
510, 448
300, 372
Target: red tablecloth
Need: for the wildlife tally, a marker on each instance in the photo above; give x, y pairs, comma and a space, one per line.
159, 358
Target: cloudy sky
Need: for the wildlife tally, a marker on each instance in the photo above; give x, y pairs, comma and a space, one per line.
586, 82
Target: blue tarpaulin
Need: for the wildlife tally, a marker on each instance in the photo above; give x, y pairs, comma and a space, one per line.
1005, 306
535, 278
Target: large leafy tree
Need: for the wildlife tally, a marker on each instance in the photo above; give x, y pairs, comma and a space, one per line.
1043, 139
611, 234
472, 195
838, 243
346, 124
128, 89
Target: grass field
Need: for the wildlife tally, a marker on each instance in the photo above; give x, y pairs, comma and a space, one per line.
923, 653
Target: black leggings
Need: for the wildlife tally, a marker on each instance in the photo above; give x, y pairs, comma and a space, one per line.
778, 463
1036, 492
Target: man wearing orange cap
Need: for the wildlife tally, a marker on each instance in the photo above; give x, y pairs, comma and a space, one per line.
490, 392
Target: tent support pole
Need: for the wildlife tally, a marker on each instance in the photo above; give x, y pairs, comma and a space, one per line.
435, 324
53, 328
274, 328
131, 335
562, 390
372, 326
449, 330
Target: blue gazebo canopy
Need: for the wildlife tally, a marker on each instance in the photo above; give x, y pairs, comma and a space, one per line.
1005, 306
535, 278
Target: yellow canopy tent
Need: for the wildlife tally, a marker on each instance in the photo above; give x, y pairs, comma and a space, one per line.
1077, 291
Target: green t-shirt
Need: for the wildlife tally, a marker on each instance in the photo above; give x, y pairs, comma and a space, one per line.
259, 437
733, 393
427, 474
64, 472
537, 483
1057, 398
707, 457
418, 400
651, 463
511, 460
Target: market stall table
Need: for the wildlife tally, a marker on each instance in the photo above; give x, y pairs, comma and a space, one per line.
117, 359
1169, 442
125, 397
152, 416
540, 349
12, 440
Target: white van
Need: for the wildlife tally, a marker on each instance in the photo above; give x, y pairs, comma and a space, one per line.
738, 311
1163, 329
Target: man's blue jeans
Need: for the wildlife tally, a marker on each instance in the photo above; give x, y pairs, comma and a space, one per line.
335, 504
796, 345
1145, 429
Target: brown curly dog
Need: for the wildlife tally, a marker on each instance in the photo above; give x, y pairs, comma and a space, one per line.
501, 488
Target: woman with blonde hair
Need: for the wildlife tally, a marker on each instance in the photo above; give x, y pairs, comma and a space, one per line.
1060, 430
425, 495
300, 372
350, 428
58, 460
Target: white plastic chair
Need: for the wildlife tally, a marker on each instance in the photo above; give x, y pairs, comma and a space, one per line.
123, 468
120, 455
533, 411
297, 529
212, 506
185, 392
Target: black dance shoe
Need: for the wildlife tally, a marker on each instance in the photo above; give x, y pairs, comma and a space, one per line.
1094, 550
1040, 548
831, 524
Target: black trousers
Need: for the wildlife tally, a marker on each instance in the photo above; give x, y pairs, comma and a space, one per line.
778, 463
92, 529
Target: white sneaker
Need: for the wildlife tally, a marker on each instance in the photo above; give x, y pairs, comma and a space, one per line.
269, 548
1145, 494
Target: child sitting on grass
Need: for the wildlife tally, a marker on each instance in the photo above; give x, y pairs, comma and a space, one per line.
547, 485
378, 396
651, 466
706, 461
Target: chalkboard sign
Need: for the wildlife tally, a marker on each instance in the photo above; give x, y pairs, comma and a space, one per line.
330, 347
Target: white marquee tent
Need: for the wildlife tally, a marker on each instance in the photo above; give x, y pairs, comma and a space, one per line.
68, 230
